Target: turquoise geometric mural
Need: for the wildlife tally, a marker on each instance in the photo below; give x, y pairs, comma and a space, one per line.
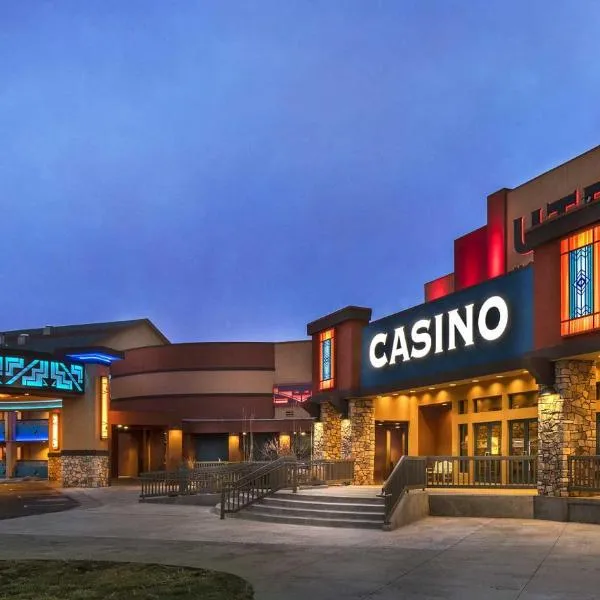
41, 374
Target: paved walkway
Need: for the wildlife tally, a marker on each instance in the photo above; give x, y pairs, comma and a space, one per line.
435, 558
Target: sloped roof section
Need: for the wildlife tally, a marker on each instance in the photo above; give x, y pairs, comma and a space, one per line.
53, 338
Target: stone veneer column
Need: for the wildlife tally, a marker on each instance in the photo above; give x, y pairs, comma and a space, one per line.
84, 469
566, 424
54, 467
362, 419
317, 441
332, 431
346, 439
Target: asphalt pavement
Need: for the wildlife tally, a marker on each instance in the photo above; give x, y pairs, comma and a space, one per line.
25, 498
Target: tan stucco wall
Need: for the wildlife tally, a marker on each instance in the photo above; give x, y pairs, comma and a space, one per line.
80, 417
405, 407
135, 337
193, 382
553, 185
293, 362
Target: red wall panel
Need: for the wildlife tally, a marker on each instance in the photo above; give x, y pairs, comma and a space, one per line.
440, 287
496, 233
471, 259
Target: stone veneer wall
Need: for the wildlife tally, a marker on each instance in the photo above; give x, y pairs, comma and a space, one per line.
84, 470
317, 441
362, 419
332, 431
566, 424
346, 439
54, 467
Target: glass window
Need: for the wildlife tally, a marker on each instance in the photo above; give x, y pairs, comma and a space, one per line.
487, 404
598, 434
462, 407
488, 438
580, 293
523, 437
326, 359
463, 437
523, 400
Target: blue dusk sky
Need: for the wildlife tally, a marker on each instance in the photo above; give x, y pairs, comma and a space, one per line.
235, 169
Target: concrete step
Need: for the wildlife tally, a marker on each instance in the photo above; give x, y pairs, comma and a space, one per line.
374, 500
267, 516
322, 512
300, 502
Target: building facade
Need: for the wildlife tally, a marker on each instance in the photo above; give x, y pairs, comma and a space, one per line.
84, 404
500, 359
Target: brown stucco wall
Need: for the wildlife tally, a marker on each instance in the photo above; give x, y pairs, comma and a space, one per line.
177, 357
553, 185
546, 294
293, 362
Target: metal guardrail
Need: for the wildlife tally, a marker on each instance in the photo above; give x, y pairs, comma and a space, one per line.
325, 471
285, 472
408, 474
584, 473
266, 480
481, 471
202, 479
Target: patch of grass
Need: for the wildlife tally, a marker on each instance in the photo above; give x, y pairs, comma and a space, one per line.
90, 580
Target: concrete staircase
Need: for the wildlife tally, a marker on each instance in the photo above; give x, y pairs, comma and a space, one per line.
326, 511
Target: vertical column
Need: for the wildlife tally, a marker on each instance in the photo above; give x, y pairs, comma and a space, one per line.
346, 439
566, 424
10, 425
84, 457
174, 449
332, 431
362, 419
317, 441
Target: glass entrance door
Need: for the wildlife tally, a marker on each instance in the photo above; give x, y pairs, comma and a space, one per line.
523, 442
488, 443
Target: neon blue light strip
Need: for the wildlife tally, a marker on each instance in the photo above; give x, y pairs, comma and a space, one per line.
35, 405
31, 439
106, 359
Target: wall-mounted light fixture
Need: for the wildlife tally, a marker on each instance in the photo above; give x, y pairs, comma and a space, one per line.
54, 431
104, 400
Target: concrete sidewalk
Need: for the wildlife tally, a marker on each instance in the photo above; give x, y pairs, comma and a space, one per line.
434, 558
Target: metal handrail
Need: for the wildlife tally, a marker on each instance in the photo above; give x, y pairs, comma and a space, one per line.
584, 473
266, 480
482, 471
408, 474
184, 481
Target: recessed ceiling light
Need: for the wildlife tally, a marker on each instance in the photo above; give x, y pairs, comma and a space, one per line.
432, 388
498, 376
412, 391
475, 381
452, 385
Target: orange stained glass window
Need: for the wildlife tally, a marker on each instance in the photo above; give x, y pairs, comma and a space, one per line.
326, 359
580, 283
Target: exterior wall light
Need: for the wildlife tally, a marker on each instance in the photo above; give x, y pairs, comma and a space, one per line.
104, 401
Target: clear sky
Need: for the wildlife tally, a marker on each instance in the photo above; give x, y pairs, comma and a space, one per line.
234, 169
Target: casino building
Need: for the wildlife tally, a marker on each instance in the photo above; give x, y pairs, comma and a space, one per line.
499, 360
84, 404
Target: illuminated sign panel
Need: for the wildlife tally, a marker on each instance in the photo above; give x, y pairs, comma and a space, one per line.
488, 323
28, 372
104, 402
284, 395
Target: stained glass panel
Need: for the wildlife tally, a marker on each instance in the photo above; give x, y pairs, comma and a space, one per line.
581, 301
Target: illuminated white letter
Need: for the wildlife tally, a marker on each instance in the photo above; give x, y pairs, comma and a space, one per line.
439, 333
465, 328
420, 338
493, 334
378, 361
399, 348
